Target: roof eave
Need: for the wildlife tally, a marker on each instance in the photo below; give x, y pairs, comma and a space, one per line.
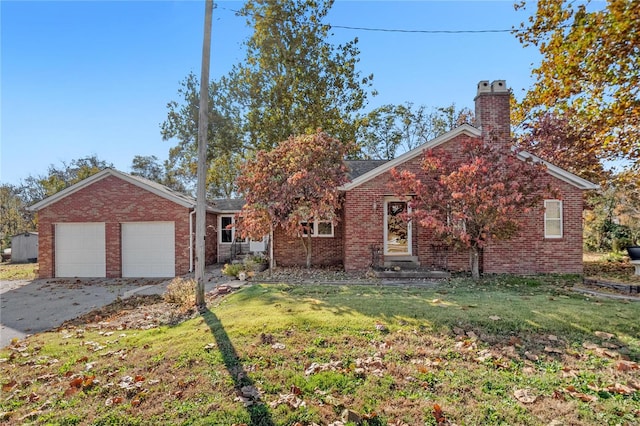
560, 173
101, 175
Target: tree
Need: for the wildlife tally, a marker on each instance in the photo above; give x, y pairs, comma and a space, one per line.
150, 168
561, 140
293, 185
36, 188
612, 221
224, 137
15, 219
393, 129
474, 198
147, 167
293, 80
590, 68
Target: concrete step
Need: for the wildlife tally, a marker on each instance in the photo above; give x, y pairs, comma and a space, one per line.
402, 262
413, 274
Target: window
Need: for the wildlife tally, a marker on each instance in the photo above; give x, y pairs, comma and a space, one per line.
552, 219
228, 234
318, 228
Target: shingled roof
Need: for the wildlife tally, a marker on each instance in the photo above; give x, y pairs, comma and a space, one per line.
360, 167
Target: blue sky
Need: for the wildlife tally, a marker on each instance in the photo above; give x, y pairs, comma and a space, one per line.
85, 77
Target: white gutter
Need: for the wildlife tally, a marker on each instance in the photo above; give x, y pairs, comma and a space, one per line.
191, 240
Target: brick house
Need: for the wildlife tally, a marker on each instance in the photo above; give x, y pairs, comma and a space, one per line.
116, 225
367, 234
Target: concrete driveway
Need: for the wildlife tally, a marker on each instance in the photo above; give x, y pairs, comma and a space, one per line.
29, 307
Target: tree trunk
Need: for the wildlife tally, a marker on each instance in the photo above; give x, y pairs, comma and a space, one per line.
201, 202
272, 261
474, 253
309, 252
306, 243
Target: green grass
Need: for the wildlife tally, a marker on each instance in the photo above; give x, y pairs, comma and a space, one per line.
389, 353
18, 271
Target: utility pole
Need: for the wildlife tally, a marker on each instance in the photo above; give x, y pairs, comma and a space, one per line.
201, 202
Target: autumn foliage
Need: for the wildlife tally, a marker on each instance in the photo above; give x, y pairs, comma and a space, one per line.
292, 185
474, 198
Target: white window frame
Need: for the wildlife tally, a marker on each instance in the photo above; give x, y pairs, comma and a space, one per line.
314, 229
233, 230
547, 219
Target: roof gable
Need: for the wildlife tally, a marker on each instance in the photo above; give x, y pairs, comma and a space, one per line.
153, 187
467, 130
464, 129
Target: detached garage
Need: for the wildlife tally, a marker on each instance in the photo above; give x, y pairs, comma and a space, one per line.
116, 225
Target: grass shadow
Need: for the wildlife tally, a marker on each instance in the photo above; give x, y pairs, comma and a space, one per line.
244, 386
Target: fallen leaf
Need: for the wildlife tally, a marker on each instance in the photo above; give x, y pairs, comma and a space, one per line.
604, 335
6, 387
621, 389
438, 414
581, 396
495, 318
70, 391
76, 383
551, 350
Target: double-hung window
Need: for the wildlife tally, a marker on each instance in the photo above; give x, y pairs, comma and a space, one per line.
552, 218
318, 228
227, 229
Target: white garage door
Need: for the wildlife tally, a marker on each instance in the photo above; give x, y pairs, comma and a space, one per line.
80, 250
148, 249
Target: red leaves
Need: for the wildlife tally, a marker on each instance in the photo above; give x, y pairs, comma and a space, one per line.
295, 182
438, 415
478, 195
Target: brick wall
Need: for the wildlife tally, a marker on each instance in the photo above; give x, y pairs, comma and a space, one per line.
113, 201
364, 219
325, 251
527, 253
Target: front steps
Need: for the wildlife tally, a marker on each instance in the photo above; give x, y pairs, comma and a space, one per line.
407, 267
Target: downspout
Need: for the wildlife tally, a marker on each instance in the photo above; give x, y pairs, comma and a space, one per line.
191, 240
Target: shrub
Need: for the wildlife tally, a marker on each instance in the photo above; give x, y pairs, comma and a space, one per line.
233, 269
614, 257
181, 292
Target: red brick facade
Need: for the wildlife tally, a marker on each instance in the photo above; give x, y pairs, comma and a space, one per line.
528, 253
325, 251
114, 201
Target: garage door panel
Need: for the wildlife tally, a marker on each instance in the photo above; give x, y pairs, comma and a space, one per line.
80, 250
148, 249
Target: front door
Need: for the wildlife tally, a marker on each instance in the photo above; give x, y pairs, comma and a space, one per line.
397, 231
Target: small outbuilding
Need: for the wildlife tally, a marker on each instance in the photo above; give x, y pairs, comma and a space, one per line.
24, 247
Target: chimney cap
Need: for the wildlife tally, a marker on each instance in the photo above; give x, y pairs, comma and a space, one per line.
484, 87
498, 86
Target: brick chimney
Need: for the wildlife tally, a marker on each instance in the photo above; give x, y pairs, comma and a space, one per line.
493, 111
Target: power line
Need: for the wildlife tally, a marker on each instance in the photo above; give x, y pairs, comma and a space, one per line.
396, 30
391, 30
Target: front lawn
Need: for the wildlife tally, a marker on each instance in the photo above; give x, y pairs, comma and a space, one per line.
512, 351
18, 271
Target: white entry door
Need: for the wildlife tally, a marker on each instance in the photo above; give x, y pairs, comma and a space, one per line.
80, 250
397, 231
148, 249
